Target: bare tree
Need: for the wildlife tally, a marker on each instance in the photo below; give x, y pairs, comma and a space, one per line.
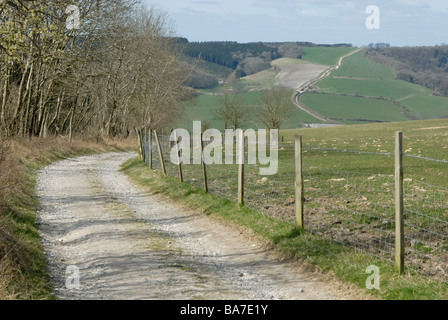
274, 107
232, 110
224, 111
119, 69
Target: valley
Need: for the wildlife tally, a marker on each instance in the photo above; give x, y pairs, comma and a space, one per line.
334, 85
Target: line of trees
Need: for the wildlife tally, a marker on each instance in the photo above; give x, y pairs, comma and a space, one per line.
101, 67
228, 53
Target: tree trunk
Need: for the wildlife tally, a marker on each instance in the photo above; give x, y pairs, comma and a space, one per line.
70, 135
4, 97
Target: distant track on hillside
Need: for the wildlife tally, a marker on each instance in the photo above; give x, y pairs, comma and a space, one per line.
307, 86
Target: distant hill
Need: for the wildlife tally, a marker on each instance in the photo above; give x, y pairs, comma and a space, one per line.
363, 91
373, 85
220, 60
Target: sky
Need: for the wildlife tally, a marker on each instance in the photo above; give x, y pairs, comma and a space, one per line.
398, 22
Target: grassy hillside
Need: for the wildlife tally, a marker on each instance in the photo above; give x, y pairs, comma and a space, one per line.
359, 92
364, 90
427, 106
352, 109
206, 103
356, 66
324, 55
426, 138
391, 89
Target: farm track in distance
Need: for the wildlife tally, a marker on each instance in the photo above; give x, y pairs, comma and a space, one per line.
306, 87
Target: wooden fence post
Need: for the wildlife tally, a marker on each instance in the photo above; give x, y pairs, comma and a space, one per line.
399, 202
143, 142
176, 138
150, 148
159, 148
204, 169
139, 149
241, 168
298, 185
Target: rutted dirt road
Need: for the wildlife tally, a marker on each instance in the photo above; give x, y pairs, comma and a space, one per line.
128, 244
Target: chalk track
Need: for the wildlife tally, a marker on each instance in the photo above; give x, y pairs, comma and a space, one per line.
129, 244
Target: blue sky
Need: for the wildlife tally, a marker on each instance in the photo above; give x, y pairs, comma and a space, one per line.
402, 22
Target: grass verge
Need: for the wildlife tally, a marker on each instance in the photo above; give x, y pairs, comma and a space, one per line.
23, 266
343, 262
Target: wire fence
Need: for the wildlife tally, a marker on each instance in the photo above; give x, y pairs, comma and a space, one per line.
356, 209
426, 223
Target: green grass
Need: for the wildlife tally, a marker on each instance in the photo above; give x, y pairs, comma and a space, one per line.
391, 89
213, 68
427, 106
356, 66
363, 79
353, 109
323, 55
283, 62
206, 105
427, 138
260, 81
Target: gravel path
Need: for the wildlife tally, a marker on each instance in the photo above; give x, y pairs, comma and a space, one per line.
127, 244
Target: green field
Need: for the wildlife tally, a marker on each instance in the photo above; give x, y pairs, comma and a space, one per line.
348, 109
427, 106
362, 89
426, 138
391, 89
324, 55
356, 66
205, 106
419, 100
